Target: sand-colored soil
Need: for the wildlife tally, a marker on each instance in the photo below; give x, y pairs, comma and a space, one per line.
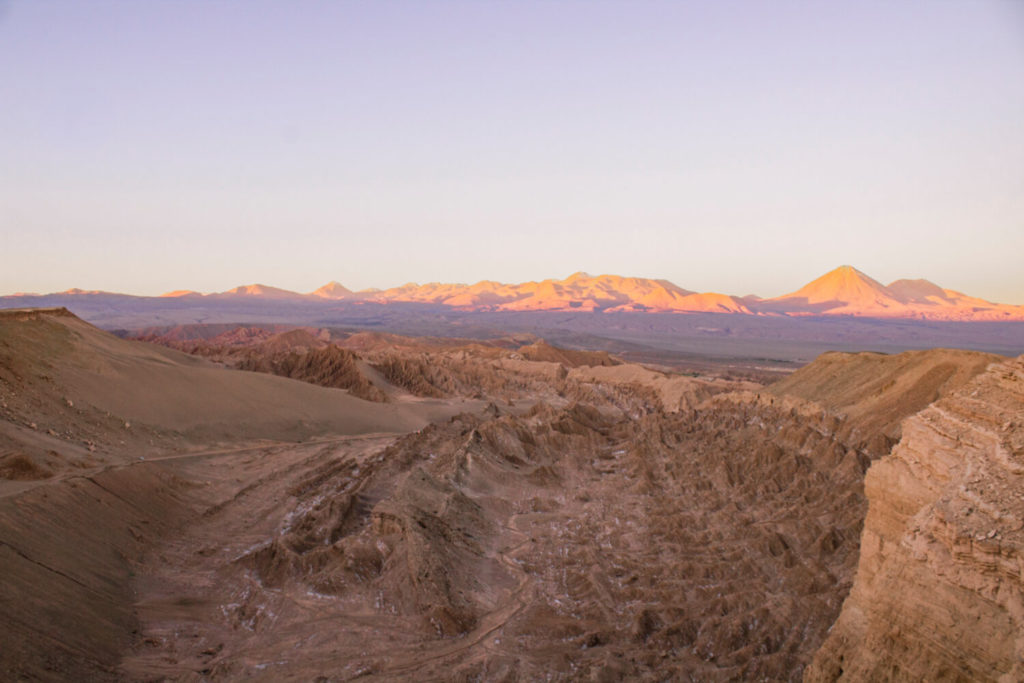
74, 396
166, 518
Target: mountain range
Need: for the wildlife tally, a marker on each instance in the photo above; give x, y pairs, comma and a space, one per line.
844, 291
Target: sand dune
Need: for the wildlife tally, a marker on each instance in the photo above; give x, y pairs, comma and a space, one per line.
86, 386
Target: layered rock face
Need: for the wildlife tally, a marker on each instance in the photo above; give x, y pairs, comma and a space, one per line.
938, 591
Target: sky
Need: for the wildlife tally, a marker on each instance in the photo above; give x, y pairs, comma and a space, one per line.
738, 147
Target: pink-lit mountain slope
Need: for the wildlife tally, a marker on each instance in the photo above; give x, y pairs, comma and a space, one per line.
847, 291
844, 291
333, 290
260, 291
578, 292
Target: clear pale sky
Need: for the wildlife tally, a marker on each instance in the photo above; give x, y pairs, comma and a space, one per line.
740, 147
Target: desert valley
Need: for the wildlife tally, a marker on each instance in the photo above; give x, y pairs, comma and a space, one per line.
284, 498
473, 342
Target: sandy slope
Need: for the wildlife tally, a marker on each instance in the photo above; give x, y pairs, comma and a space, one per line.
61, 374
92, 429
876, 392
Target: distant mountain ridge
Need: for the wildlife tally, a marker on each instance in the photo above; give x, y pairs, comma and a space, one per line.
848, 291
844, 291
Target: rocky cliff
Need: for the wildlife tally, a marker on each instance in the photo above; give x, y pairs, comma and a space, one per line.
938, 591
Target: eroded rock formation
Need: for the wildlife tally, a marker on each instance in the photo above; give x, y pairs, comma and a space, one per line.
938, 593
579, 541
594, 523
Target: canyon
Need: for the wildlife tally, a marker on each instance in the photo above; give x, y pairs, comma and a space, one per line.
295, 503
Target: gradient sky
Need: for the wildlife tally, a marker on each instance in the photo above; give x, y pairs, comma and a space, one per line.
741, 147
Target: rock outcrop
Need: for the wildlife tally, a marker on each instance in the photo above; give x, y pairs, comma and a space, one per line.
938, 591
329, 366
574, 542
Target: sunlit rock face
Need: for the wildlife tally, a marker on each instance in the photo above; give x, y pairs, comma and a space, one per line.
938, 592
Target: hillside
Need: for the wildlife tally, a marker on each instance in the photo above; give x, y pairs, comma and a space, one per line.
72, 394
875, 392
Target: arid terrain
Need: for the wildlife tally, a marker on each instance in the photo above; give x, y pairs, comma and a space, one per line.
511, 342
280, 502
